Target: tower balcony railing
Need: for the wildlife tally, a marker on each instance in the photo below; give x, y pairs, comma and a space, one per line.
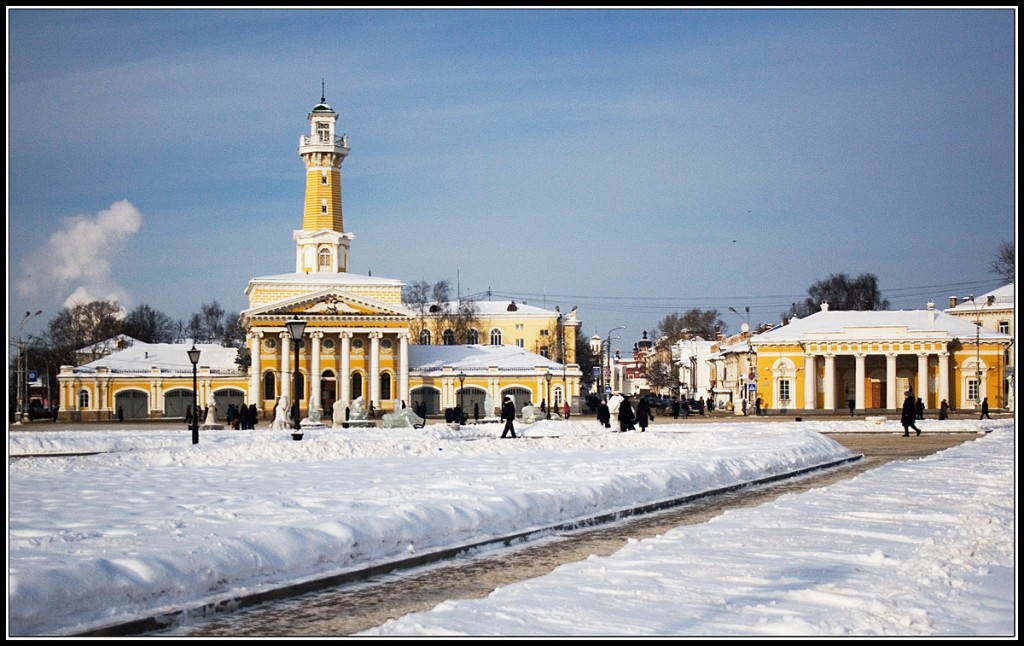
306, 140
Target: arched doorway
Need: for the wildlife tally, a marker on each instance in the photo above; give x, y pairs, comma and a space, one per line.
225, 397
134, 403
430, 396
328, 389
177, 402
469, 396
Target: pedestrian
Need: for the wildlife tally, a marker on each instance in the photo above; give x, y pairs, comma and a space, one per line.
686, 408
984, 409
508, 413
643, 414
476, 411
675, 409
908, 415
626, 417
566, 410
253, 416
920, 408
120, 413
56, 408
604, 416
543, 406
188, 416
852, 404
711, 405
757, 406
944, 410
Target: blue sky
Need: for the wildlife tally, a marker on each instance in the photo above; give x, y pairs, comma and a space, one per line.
633, 163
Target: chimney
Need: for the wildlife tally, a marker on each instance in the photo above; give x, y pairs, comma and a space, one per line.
952, 301
931, 311
824, 306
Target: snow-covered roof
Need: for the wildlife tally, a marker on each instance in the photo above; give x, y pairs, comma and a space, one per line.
885, 324
344, 279
500, 308
428, 358
1002, 298
168, 357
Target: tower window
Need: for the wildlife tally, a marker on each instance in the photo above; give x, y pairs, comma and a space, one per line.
323, 132
325, 258
323, 179
323, 206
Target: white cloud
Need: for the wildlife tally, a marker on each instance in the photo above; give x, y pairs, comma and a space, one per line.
78, 259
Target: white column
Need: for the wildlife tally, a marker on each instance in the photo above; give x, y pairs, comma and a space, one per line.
403, 367
943, 376
314, 371
344, 378
255, 368
922, 378
830, 382
286, 369
859, 376
810, 381
375, 368
891, 402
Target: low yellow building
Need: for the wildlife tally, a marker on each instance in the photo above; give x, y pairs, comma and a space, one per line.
823, 361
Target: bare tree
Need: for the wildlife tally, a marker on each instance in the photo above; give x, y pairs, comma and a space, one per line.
696, 322
91, 325
842, 293
1004, 265
149, 325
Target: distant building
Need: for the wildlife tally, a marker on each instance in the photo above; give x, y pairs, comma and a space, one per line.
874, 357
993, 311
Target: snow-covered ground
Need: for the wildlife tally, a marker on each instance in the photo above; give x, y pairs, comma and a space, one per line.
155, 523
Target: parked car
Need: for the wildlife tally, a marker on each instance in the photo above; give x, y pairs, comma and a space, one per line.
696, 407
36, 410
659, 405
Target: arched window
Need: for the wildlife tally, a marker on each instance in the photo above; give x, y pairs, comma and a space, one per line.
269, 386
424, 337
83, 399
472, 337
449, 337
385, 386
495, 336
325, 258
357, 385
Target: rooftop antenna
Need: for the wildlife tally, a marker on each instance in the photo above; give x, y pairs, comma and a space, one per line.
322, 93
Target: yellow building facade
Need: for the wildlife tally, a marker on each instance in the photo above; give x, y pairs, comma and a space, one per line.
825, 360
358, 339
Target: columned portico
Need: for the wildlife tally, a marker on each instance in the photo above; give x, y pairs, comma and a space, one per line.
314, 373
345, 378
859, 399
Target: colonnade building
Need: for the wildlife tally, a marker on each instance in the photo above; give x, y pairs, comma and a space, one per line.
357, 341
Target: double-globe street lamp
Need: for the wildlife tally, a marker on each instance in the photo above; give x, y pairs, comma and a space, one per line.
608, 342
193, 356
548, 378
296, 327
977, 346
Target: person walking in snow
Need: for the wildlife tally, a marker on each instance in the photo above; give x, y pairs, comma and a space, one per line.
604, 416
643, 414
984, 409
508, 413
908, 415
626, 417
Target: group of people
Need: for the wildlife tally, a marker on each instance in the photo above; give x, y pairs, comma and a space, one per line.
242, 417
628, 418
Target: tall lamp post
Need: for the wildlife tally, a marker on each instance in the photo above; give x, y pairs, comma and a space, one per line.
296, 327
462, 397
608, 342
193, 356
22, 368
740, 374
548, 378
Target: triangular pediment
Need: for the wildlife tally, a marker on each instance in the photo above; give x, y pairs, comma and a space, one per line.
327, 303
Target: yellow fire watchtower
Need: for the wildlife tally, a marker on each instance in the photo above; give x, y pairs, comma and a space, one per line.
322, 245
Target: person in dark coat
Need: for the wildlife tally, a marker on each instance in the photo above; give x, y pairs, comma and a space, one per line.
984, 409
908, 415
253, 416
944, 410
604, 415
853, 405
920, 408
508, 413
120, 413
626, 417
675, 409
643, 414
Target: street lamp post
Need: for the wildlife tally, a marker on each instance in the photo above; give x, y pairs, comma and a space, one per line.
22, 368
547, 377
193, 356
296, 327
608, 342
462, 397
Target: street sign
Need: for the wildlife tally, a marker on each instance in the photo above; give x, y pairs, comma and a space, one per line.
607, 390
751, 388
